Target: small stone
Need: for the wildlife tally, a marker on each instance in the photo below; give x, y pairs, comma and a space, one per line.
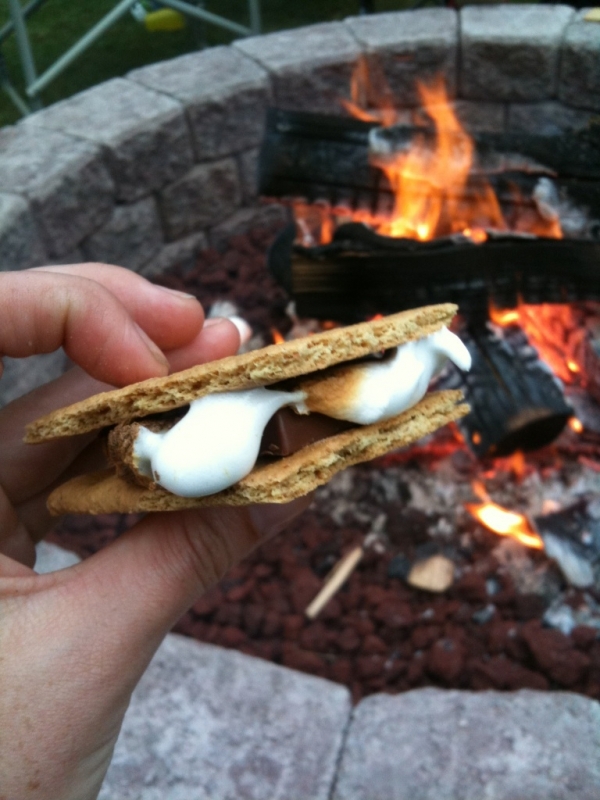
445, 659
436, 574
399, 567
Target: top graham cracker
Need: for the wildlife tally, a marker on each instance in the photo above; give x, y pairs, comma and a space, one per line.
262, 367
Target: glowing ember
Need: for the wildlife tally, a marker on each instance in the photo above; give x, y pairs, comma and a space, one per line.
576, 425
505, 523
277, 337
555, 332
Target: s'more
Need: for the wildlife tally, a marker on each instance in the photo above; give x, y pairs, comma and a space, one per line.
265, 426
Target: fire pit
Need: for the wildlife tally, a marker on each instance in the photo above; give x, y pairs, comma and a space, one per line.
510, 615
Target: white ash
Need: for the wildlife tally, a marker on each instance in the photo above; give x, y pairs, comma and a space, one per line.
553, 205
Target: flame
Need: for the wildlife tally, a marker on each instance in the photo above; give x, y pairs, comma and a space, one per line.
576, 425
278, 338
435, 193
430, 184
505, 523
555, 332
371, 99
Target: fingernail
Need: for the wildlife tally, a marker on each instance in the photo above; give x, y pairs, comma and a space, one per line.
176, 293
244, 329
211, 322
152, 347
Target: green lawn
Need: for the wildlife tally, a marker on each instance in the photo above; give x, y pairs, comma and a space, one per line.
59, 23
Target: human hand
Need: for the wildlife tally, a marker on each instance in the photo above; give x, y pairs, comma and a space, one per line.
73, 644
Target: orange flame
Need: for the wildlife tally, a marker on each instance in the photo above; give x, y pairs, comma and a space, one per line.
277, 337
430, 184
435, 193
371, 99
555, 332
505, 523
576, 425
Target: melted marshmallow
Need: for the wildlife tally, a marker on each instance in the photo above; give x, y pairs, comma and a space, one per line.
391, 386
217, 443
214, 445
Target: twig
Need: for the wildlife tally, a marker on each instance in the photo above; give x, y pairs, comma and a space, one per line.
334, 581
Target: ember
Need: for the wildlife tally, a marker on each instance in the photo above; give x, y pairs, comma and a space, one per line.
505, 523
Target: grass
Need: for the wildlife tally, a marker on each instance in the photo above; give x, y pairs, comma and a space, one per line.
59, 23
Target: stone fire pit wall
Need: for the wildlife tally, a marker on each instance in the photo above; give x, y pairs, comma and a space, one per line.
147, 170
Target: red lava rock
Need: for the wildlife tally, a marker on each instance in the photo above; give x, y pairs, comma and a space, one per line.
208, 603
502, 673
272, 624
341, 670
394, 668
445, 660
375, 595
369, 666
471, 587
504, 637
262, 571
356, 690
294, 657
238, 593
311, 537
314, 637
416, 669
395, 615
555, 655
348, 640
373, 645
584, 636
292, 625
304, 589
229, 614
529, 606
232, 637
252, 618
362, 625
422, 637
332, 611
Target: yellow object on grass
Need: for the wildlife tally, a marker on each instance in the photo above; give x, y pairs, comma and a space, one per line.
165, 19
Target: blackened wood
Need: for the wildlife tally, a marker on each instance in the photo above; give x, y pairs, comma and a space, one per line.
361, 273
516, 402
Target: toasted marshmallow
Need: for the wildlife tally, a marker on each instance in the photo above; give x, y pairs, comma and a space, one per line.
217, 442
214, 445
377, 390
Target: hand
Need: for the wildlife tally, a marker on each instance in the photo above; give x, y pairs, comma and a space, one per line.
73, 644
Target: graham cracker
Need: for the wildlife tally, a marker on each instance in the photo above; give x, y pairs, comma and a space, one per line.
257, 368
276, 482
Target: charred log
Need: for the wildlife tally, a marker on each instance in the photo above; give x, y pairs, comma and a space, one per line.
516, 402
361, 273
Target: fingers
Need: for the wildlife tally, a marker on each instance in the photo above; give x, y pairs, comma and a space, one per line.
15, 542
156, 571
26, 470
170, 318
33, 513
217, 339
42, 311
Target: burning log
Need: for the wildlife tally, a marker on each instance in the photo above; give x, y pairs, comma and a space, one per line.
316, 157
361, 273
516, 402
